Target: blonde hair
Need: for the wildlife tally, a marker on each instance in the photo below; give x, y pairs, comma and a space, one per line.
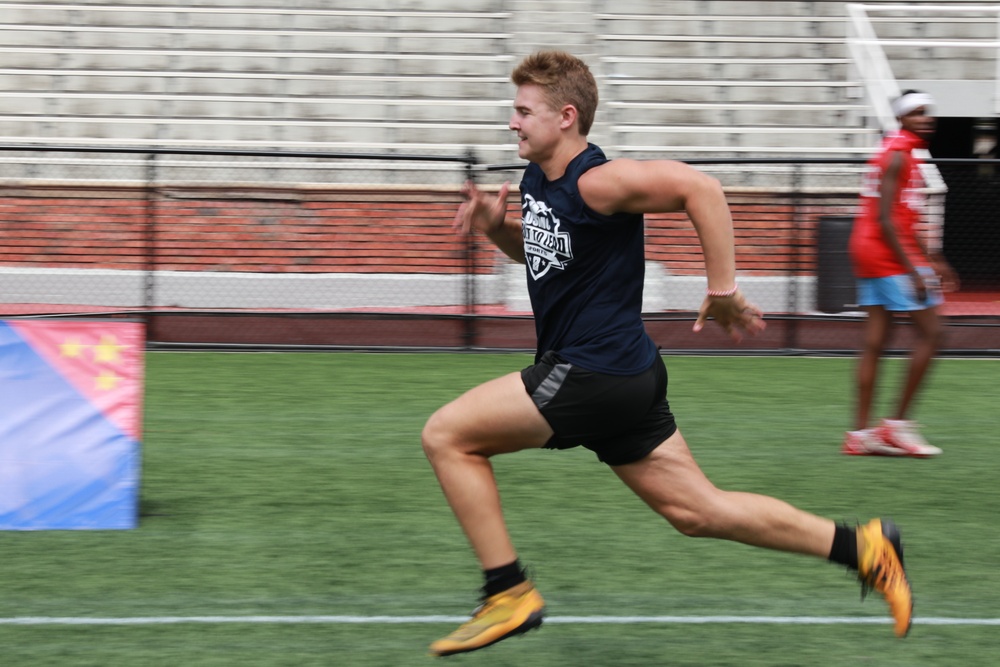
564, 79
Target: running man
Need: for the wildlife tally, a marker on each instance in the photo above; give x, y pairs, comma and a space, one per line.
598, 379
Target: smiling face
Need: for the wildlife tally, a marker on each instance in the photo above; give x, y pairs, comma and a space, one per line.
539, 127
919, 122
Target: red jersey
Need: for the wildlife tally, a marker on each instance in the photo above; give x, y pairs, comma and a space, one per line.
871, 255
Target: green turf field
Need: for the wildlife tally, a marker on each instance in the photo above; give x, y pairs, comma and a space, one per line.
293, 486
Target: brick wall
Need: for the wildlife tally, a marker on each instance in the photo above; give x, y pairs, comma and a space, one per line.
286, 230
775, 234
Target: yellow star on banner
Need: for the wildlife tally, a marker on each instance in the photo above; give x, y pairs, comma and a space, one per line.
71, 347
106, 380
108, 350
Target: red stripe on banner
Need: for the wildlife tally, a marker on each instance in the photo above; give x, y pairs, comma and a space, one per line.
102, 360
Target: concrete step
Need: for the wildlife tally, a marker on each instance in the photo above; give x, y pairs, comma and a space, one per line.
474, 64
800, 92
342, 41
263, 84
946, 68
721, 47
181, 61
724, 113
742, 135
238, 131
15, 35
695, 151
759, 26
27, 104
28, 79
715, 8
776, 69
275, 108
324, 16
941, 25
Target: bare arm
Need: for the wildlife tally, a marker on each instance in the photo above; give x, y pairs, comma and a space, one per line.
663, 186
488, 214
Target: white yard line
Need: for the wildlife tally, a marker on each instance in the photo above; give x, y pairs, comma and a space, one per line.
566, 620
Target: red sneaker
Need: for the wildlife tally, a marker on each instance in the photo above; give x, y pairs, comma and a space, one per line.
903, 435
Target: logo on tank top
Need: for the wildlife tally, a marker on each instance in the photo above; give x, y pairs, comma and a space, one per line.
545, 247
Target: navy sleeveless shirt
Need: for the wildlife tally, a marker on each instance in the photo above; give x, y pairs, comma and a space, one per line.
585, 273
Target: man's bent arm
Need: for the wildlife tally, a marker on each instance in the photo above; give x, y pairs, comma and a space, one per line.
665, 186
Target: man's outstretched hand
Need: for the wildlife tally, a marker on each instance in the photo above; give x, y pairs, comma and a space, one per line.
481, 211
733, 313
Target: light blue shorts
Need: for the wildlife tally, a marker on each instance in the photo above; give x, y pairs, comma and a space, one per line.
896, 293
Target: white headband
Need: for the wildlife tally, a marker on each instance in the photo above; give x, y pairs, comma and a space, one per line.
907, 103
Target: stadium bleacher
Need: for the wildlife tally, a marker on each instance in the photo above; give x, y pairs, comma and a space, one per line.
683, 79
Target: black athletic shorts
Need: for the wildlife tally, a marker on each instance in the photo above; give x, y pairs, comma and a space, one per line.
621, 418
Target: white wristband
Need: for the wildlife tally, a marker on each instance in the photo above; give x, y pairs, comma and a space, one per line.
719, 292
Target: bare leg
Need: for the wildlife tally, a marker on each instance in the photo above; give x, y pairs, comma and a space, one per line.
878, 326
671, 483
929, 333
459, 439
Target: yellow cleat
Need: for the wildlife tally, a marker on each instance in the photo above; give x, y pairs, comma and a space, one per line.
508, 613
880, 567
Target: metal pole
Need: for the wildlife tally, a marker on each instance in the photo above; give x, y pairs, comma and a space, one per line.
149, 296
469, 331
791, 331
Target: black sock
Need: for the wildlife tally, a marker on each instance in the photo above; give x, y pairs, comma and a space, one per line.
845, 547
501, 578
